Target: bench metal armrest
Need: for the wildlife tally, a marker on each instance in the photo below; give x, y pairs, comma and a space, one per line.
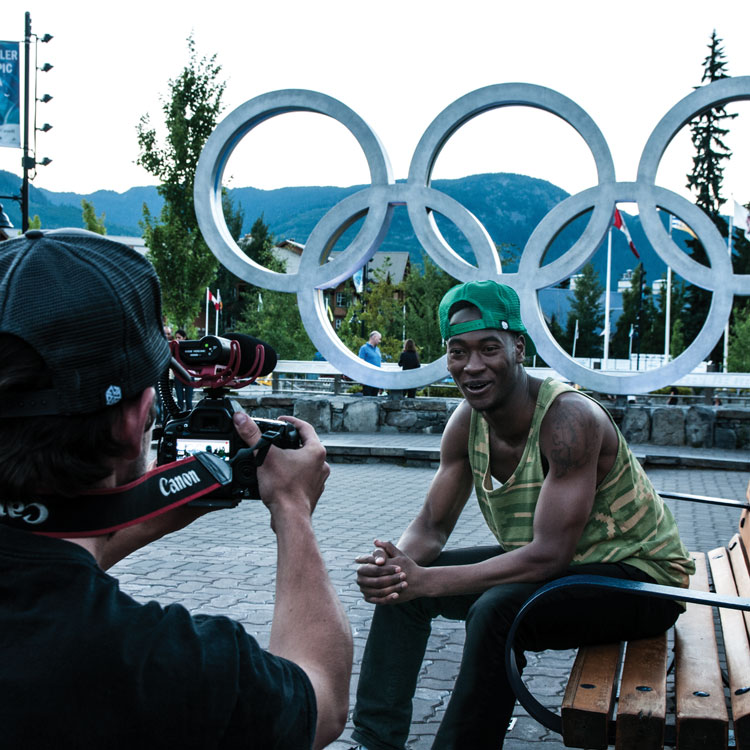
535, 709
739, 504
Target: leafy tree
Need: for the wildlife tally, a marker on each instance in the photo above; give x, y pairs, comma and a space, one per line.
587, 311
35, 223
271, 316
705, 180
422, 294
274, 317
677, 343
90, 220
739, 342
741, 250
182, 259
378, 309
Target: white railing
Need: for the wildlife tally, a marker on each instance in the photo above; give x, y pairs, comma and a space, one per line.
323, 377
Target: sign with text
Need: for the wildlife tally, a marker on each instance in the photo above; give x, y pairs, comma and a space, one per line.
10, 111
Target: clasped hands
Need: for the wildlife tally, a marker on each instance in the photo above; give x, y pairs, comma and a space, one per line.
389, 576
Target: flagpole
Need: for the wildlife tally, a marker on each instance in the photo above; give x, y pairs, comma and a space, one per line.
607, 299
668, 312
726, 327
630, 348
216, 307
208, 292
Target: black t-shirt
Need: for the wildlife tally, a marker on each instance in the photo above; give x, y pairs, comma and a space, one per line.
409, 360
83, 665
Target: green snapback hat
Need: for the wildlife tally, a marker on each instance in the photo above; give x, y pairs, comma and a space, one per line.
498, 305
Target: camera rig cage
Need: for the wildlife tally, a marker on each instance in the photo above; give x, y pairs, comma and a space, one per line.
217, 365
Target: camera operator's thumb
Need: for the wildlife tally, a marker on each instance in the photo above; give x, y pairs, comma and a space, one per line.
246, 428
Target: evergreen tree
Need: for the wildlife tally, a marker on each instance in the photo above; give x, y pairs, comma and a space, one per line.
628, 322
90, 220
654, 339
226, 282
180, 256
705, 180
586, 310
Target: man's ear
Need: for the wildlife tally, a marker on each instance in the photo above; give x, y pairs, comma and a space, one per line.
520, 347
135, 419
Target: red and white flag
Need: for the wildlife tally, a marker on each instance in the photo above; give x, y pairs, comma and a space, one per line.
619, 223
213, 300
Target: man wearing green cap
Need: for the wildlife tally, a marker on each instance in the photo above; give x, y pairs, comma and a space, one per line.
561, 492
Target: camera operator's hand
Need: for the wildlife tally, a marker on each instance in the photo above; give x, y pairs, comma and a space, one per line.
288, 477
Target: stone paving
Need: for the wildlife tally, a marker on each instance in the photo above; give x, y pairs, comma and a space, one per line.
225, 563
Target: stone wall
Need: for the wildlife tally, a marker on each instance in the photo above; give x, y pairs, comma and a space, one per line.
695, 426
357, 413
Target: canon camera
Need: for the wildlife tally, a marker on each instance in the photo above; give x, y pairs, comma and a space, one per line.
218, 365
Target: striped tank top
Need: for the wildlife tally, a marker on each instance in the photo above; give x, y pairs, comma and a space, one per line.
629, 522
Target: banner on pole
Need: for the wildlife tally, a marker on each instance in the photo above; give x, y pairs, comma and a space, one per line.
10, 92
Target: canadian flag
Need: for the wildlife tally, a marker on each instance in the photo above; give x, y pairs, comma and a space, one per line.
620, 224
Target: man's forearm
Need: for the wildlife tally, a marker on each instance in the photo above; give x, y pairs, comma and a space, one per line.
310, 626
305, 599
421, 543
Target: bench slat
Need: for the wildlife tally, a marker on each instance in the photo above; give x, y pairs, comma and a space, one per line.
701, 712
642, 708
738, 558
589, 697
736, 647
745, 524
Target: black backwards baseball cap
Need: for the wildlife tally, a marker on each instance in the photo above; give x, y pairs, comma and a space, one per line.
498, 305
91, 308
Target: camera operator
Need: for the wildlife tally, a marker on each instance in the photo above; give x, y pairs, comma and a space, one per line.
83, 664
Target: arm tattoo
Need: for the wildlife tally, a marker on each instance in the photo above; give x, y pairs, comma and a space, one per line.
574, 436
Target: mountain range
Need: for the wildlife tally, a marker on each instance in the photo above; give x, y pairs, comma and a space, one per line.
508, 205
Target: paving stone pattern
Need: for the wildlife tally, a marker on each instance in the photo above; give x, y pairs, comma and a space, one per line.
225, 563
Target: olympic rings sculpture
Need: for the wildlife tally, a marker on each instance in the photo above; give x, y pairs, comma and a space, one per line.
375, 203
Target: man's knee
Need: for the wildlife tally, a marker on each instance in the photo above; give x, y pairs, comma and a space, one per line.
493, 612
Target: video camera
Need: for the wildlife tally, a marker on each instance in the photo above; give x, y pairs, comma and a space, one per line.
216, 365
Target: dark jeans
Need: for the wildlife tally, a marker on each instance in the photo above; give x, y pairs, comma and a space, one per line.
482, 702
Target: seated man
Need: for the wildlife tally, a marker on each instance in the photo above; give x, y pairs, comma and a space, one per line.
561, 492
83, 664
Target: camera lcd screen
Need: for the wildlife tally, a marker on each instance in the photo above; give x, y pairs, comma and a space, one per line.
188, 446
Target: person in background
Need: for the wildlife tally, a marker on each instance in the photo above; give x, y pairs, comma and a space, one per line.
370, 352
409, 360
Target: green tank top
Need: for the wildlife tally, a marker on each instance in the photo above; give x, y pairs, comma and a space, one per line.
629, 522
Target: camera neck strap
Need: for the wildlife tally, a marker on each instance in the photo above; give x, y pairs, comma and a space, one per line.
105, 511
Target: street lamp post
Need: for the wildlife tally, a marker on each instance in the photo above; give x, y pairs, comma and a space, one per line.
29, 162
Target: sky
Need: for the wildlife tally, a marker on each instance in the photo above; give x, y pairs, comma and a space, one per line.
397, 65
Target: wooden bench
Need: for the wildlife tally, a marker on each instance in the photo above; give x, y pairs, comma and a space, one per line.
617, 693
